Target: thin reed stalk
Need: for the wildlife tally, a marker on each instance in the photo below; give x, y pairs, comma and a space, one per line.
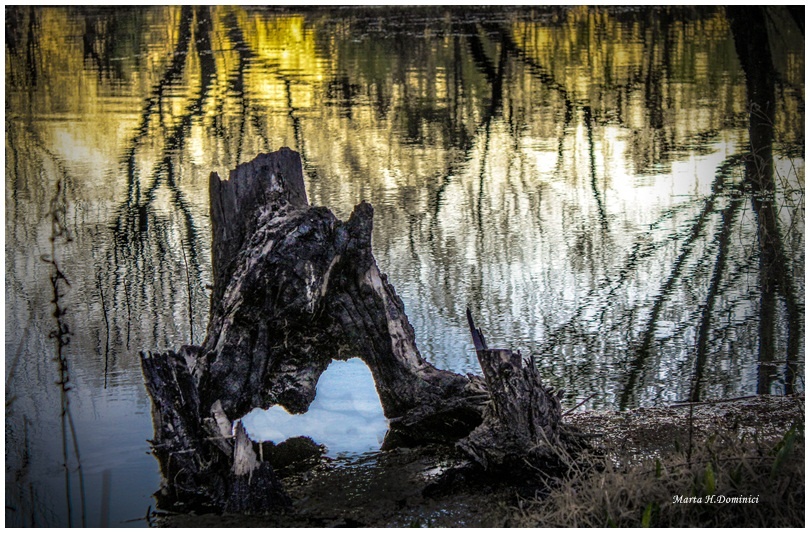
107, 326
61, 336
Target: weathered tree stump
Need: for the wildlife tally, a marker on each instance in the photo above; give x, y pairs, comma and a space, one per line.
204, 466
295, 288
521, 424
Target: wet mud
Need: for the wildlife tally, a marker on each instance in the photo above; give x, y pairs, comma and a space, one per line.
434, 486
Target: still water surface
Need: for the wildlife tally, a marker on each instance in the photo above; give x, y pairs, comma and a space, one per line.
578, 177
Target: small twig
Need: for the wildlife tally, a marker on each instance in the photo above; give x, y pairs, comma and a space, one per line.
107, 325
577, 406
188, 284
61, 336
82, 492
129, 310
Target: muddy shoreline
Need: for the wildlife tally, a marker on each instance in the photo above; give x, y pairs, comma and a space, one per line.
431, 486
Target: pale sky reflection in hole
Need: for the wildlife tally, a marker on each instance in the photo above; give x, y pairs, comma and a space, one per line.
346, 414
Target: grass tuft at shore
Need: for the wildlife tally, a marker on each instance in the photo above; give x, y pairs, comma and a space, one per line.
734, 476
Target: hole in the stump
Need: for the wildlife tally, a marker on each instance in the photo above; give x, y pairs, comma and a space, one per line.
346, 414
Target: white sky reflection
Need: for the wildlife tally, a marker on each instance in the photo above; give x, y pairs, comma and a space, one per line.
346, 414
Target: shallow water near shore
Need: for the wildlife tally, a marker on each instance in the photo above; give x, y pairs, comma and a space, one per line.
579, 177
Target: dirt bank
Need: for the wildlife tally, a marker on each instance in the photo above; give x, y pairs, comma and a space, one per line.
431, 486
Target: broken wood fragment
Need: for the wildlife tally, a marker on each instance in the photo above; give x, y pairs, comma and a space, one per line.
521, 425
479, 341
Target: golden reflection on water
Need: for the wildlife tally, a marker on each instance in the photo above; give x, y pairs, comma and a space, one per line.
547, 168
591, 100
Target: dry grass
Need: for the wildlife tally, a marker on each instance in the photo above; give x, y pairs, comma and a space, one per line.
630, 488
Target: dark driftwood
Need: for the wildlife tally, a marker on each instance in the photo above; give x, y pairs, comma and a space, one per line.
522, 421
295, 288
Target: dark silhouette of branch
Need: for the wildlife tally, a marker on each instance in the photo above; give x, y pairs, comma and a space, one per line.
748, 25
588, 117
723, 237
638, 363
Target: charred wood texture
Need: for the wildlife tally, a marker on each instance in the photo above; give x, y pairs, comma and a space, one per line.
521, 426
204, 467
295, 288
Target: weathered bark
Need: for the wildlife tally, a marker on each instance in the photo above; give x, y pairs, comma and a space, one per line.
202, 465
521, 426
295, 288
